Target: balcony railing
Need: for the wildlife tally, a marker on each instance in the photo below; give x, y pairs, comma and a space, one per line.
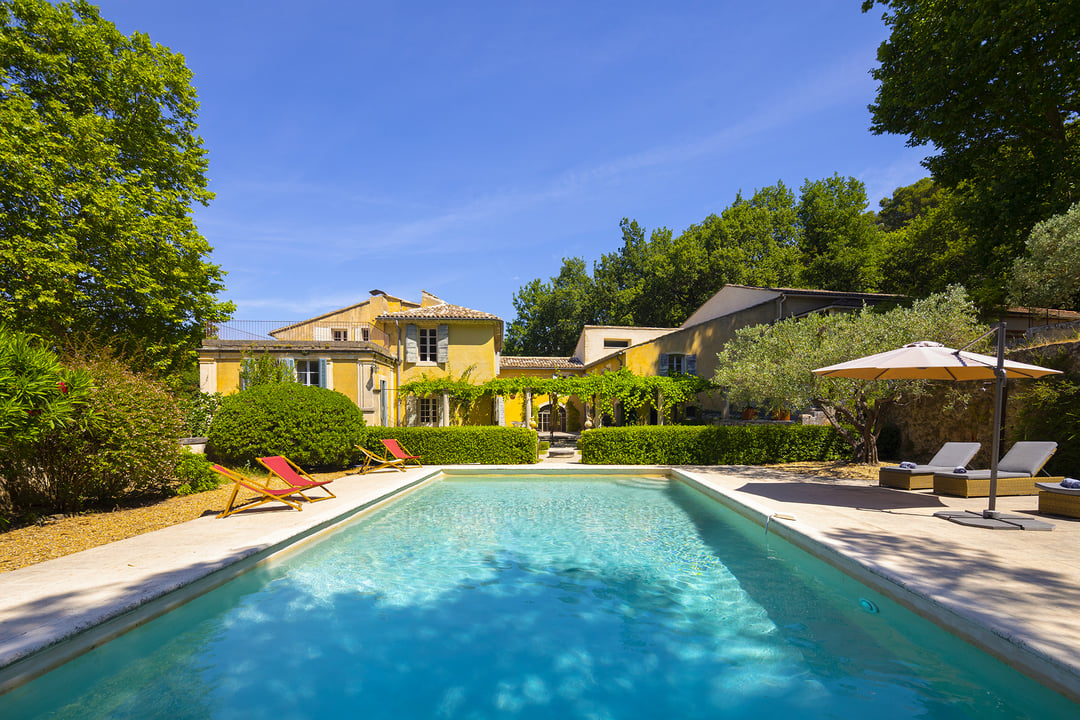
256, 330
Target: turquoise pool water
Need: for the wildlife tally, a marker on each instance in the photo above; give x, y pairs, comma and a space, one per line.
539, 597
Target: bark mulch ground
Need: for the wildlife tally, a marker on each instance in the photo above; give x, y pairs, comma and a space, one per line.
59, 536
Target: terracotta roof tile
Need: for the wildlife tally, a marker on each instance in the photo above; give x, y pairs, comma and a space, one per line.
445, 311
541, 363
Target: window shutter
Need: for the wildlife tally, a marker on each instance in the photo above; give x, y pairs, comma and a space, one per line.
663, 364
324, 380
442, 351
245, 368
412, 349
291, 364
691, 365
410, 410
320, 333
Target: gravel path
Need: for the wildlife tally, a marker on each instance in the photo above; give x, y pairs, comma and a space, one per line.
58, 537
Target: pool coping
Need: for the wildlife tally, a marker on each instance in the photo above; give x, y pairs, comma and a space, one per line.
56, 610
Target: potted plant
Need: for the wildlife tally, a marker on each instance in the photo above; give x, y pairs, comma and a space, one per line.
749, 412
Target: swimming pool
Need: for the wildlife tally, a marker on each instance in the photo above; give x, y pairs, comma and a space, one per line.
539, 597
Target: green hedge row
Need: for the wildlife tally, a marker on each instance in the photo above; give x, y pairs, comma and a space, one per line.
459, 445
711, 445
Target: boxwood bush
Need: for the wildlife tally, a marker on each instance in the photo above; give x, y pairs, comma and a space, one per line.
459, 445
711, 445
312, 426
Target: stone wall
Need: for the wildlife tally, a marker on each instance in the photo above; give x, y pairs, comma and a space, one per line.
963, 412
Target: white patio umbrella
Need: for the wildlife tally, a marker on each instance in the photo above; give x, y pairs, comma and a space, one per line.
926, 360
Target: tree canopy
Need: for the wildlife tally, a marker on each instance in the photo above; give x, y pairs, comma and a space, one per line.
994, 87
772, 363
102, 166
1049, 274
658, 279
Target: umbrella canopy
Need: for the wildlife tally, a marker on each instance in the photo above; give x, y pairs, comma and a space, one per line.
926, 360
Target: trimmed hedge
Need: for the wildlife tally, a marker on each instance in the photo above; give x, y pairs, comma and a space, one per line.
711, 445
312, 426
459, 445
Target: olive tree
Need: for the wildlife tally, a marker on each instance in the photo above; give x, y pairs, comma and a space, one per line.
773, 363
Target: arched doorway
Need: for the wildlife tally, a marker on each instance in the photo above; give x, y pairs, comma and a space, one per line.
543, 419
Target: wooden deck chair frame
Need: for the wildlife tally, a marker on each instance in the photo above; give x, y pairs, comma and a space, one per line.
292, 475
373, 462
265, 494
399, 452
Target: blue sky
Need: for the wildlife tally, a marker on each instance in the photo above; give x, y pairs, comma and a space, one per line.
465, 148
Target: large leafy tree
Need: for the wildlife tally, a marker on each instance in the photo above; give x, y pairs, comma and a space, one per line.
994, 87
840, 241
550, 315
773, 363
1049, 274
101, 166
657, 278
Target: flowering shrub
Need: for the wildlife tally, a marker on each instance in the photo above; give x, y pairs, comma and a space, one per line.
37, 394
122, 441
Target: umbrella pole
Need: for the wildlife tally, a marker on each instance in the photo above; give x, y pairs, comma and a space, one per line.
995, 444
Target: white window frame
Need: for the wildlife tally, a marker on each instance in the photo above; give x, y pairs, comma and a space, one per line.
339, 334
428, 344
676, 363
427, 411
304, 372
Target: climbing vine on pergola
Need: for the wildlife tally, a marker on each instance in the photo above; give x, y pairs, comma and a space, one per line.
601, 390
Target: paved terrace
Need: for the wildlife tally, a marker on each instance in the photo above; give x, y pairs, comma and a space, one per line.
1014, 593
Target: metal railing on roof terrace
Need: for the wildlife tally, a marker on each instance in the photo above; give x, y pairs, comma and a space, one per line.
246, 329
298, 331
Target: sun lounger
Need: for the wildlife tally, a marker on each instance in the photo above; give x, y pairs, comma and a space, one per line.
921, 477
1054, 499
1016, 473
290, 473
373, 461
264, 493
399, 453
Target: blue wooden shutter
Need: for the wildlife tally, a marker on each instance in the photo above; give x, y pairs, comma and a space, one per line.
412, 349
322, 374
691, 365
663, 364
291, 364
442, 351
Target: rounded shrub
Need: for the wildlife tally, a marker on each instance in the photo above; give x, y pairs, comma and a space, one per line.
311, 426
194, 473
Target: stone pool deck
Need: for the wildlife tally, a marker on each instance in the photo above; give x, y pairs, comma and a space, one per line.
1014, 593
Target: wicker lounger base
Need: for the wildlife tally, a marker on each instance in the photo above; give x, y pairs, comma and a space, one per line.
1052, 503
905, 480
980, 487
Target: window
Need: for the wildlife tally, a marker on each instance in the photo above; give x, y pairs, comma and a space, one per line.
543, 419
307, 372
675, 364
365, 334
429, 410
609, 343
340, 335
429, 344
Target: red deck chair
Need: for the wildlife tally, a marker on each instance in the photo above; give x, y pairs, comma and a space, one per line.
398, 452
374, 461
291, 474
266, 494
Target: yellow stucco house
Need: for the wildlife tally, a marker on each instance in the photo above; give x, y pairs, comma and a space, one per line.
368, 350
